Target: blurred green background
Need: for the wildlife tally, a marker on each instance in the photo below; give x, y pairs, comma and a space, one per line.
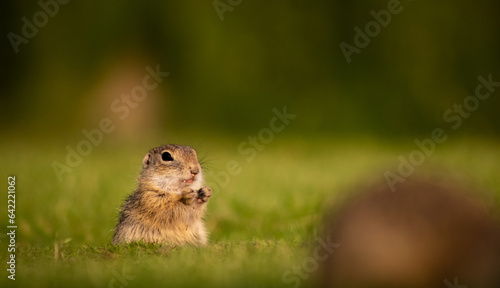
225, 76
353, 121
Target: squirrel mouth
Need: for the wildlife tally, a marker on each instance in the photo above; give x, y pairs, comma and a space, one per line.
188, 181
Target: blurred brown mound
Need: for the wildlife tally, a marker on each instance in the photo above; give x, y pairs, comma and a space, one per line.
421, 235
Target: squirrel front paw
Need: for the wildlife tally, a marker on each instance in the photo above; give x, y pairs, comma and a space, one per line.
204, 194
188, 196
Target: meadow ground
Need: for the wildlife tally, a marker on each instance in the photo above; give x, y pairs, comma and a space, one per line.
263, 221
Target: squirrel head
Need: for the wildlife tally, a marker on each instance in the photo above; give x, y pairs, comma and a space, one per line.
171, 168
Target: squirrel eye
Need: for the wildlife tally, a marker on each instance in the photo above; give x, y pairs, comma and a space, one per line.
165, 156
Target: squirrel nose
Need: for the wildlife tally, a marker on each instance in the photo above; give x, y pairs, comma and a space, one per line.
194, 170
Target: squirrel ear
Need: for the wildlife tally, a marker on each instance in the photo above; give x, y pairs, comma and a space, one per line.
145, 161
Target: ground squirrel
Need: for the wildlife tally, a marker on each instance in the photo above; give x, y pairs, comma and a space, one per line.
169, 202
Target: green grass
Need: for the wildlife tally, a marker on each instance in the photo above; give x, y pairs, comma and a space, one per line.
262, 223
